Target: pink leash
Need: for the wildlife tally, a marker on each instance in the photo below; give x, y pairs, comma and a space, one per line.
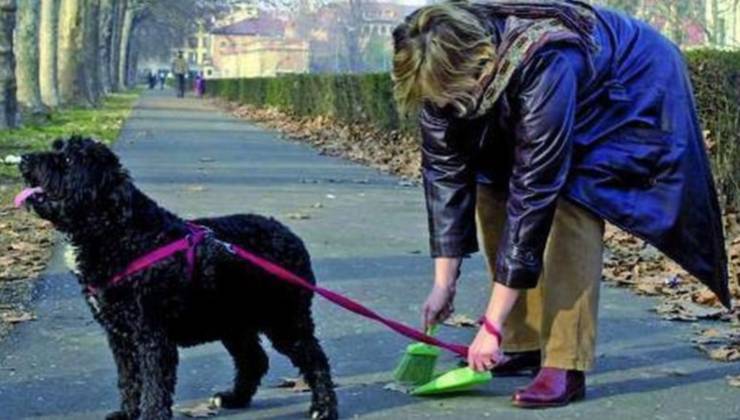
198, 234
346, 302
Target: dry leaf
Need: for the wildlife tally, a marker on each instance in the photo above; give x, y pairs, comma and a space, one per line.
298, 216
706, 297
459, 320
733, 380
648, 289
294, 384
195, 188
396, 387
21, 247
200, 411
725, 353
710, 336
17, 317
686, 311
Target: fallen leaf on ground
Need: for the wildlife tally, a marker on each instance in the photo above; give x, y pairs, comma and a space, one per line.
459, 320
21, 247
17, 317
705, 297
298, 216
725, 353
199, 411
686, 311
733, 380
710, 336
294, 384
195, 188
648, 289
396, 387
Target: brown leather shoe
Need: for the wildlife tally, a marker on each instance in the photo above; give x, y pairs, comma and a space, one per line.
552, 388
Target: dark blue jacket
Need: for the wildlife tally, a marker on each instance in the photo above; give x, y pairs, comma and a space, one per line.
618, 135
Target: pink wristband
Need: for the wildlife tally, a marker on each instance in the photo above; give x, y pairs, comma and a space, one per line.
491, 329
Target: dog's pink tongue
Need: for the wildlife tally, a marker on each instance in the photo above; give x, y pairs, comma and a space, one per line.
23, 196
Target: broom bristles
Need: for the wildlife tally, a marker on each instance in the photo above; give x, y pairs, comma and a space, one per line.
415, 369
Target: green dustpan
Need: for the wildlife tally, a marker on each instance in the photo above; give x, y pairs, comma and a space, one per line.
456, 380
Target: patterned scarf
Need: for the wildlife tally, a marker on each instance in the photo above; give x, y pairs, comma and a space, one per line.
530, 25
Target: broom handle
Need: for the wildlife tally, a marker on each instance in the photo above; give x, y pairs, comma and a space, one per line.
347, 303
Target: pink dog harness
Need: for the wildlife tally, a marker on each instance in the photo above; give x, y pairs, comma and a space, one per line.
198, 234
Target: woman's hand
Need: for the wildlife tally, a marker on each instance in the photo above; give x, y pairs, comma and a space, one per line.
485, 352
439, 305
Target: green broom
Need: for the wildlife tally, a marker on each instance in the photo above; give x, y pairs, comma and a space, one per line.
417, 365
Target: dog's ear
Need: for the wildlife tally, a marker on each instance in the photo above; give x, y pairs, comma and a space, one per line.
122, 197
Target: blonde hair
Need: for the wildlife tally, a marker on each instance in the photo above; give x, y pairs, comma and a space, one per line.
439, 53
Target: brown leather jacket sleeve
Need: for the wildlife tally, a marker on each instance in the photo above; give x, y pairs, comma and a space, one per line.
545, 98
542, 154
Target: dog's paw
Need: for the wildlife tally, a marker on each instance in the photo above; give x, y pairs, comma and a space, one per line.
323, 412
121, 415
229, 400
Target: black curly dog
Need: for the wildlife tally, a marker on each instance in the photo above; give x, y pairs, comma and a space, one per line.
88, 196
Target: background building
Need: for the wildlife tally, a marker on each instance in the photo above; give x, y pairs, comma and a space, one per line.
247, 43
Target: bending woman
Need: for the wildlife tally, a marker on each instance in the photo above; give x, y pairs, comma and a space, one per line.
546, 118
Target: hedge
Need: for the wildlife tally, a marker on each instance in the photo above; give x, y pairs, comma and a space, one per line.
368, 99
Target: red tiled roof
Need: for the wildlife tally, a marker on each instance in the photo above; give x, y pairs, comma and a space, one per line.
263, 25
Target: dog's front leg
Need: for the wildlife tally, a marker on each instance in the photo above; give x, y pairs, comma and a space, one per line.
158, 363
129, 379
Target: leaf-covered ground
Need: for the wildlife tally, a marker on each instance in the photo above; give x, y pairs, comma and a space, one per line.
629, 262
26, 240
25, 247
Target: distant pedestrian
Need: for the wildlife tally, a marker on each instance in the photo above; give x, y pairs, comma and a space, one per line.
200, 84
152, 79
180, 69
162, 78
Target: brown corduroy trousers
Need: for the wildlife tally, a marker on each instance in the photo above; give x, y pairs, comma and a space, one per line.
559, 316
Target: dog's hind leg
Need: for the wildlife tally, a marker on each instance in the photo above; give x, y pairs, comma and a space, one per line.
305, 352
129, 380
251, 363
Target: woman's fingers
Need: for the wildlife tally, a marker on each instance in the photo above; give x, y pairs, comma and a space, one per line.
426, 318
482, 361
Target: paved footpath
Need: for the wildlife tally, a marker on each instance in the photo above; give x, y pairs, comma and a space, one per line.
368, 240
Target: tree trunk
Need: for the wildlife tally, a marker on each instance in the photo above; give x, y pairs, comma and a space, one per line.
48, 52
8, 103
71, 53
92, 51
27, 56
352, 32
106, 33
716, 27
119, 10
123, 60
133, 62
